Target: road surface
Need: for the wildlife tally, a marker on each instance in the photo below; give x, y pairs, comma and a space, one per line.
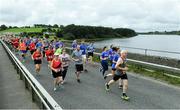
91, 94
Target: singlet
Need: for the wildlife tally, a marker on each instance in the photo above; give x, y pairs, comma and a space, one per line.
37, 55
22, 46
123, 65
32, 46
56, 64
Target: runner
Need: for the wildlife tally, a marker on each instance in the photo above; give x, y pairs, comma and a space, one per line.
58, 51
77, 58
37, 57
115, 59
90, 50
74, 45
49, 55
104, 61
57, 69
16, 44
32, 47
22, 48
83, 47
121, 73
65, 63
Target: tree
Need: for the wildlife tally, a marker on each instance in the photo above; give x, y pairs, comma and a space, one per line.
55, 26
3, 27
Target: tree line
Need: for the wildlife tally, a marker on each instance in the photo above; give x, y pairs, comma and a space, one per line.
79, 31
90, 32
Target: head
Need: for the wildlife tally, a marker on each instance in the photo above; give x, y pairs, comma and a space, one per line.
124, 53
64, 51
56, 56
38, 49
78, 47
105, 48
82, 42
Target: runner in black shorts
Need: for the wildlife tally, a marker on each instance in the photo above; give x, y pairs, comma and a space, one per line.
77, 58
37, 57
121, 73
56, 66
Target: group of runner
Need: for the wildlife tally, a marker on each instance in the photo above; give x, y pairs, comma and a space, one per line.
58, 59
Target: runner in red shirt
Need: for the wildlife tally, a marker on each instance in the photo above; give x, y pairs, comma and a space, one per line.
49, 55
57, 69
37, 57
32, 47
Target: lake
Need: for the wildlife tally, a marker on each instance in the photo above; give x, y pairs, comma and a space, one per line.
169, 43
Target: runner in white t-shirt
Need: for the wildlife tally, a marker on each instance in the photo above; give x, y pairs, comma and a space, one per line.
65, 63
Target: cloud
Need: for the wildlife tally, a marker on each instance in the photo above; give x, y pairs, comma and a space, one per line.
141, 15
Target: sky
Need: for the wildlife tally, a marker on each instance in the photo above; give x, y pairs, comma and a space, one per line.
140, 15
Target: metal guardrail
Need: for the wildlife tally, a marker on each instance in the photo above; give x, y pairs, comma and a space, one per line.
147, 64
39, 94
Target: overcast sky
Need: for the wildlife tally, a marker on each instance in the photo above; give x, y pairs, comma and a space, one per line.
141, 15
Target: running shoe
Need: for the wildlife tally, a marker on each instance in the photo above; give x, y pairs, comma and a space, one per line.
78, 80
107, 87
125, 97
85, 70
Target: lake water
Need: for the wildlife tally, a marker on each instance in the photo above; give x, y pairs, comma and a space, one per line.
169, 43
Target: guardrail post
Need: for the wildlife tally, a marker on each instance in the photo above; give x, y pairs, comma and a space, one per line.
33, 94
20, 75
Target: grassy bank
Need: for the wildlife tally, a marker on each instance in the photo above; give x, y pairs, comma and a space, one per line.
156, 74
19, 30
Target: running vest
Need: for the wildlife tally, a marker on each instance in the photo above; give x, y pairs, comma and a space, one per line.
32, 46
37, 55
49, 53
123, 65
22, 46
56, 64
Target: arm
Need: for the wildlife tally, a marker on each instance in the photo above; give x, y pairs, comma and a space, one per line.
72, 57
32, 56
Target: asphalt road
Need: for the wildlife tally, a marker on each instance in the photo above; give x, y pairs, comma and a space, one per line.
91, 94
13, 94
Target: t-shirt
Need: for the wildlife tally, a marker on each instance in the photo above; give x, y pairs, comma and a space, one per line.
58, 51
74, 45
39, 45
65, 59
83, 47
104, 54
90, 48
110, 52
77, 55
115, 59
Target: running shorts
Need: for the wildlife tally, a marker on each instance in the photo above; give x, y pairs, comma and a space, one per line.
37, 62
79, 67
56, 74
117, 77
